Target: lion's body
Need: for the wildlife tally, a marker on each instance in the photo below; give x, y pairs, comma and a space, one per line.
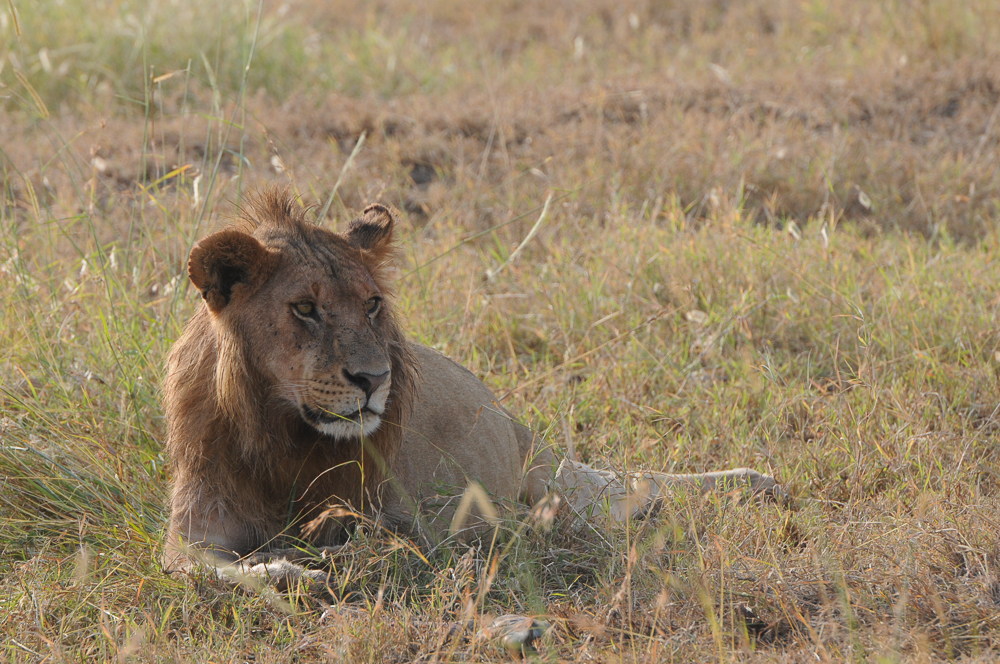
293, 390
249, 468
458, 433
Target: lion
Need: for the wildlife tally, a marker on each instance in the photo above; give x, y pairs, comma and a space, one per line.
293, 389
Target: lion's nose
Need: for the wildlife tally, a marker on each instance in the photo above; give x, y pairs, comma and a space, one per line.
366, 381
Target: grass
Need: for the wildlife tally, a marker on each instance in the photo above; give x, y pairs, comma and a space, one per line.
772, 242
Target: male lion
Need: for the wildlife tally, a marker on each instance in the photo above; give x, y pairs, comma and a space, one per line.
293, 389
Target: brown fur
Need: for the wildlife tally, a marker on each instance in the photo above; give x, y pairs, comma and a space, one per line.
235, 455
253, 460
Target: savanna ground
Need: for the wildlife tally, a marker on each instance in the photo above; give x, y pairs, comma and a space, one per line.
772, 241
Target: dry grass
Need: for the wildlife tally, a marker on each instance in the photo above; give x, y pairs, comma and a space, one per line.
772, 243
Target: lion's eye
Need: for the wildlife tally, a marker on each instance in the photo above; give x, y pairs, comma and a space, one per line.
304, 308
373, 305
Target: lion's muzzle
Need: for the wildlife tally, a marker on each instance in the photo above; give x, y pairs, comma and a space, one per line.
350, 407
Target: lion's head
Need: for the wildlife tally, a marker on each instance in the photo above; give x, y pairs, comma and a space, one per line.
305, 337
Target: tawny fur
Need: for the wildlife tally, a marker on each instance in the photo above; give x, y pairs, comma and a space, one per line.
235, 455
253, 459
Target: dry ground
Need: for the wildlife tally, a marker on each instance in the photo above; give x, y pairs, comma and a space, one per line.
772, 242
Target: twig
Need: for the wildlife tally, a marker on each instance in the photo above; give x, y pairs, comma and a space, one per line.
336, 185
527, 238
986, 133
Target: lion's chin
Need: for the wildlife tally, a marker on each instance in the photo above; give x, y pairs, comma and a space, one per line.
347, 429
360, 425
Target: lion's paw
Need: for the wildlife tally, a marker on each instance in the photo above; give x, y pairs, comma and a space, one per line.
282, 575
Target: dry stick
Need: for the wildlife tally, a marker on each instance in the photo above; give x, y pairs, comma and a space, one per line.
13, 15
986, 133
336, 185
489, 230
526, 240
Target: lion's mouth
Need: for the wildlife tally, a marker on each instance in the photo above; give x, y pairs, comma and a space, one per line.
320, 416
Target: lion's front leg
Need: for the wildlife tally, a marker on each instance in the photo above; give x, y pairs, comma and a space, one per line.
279, 573
211, 541
281, 569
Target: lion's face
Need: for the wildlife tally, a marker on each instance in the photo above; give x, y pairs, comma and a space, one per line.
305, 306
327, 359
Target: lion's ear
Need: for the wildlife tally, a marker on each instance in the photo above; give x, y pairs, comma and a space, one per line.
373, 230
223, 262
